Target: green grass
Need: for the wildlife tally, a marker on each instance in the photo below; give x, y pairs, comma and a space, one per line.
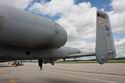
116, 61
86, 61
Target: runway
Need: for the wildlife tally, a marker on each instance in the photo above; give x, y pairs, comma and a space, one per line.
63, 73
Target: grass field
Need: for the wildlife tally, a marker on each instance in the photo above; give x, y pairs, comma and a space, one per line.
87, 61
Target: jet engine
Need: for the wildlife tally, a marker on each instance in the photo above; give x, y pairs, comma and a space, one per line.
19, 28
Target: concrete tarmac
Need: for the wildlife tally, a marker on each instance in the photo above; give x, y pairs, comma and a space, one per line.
63, 73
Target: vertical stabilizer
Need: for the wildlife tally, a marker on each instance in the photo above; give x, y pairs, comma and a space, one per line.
105, 48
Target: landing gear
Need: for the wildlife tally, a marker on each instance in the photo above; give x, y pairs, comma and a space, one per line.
40, 63
52, 63
45, 61
17, 63
64, 59
14, 63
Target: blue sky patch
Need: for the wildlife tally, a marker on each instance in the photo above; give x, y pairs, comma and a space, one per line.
36, 1
118, 36
55, 17
105, 4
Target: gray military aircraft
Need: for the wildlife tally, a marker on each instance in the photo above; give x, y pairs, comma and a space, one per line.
25, 36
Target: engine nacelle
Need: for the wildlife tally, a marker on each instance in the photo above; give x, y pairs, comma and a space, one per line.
19, 28
60, 37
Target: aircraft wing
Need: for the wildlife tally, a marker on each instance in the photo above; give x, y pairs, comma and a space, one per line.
2, 61
78, 55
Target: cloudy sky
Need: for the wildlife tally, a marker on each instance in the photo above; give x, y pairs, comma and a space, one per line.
78, 17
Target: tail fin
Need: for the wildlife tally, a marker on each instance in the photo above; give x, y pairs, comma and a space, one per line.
105, 48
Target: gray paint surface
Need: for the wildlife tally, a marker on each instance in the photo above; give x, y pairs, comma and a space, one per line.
23, 29
105, 48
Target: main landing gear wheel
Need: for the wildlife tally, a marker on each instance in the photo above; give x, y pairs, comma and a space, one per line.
40, 63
